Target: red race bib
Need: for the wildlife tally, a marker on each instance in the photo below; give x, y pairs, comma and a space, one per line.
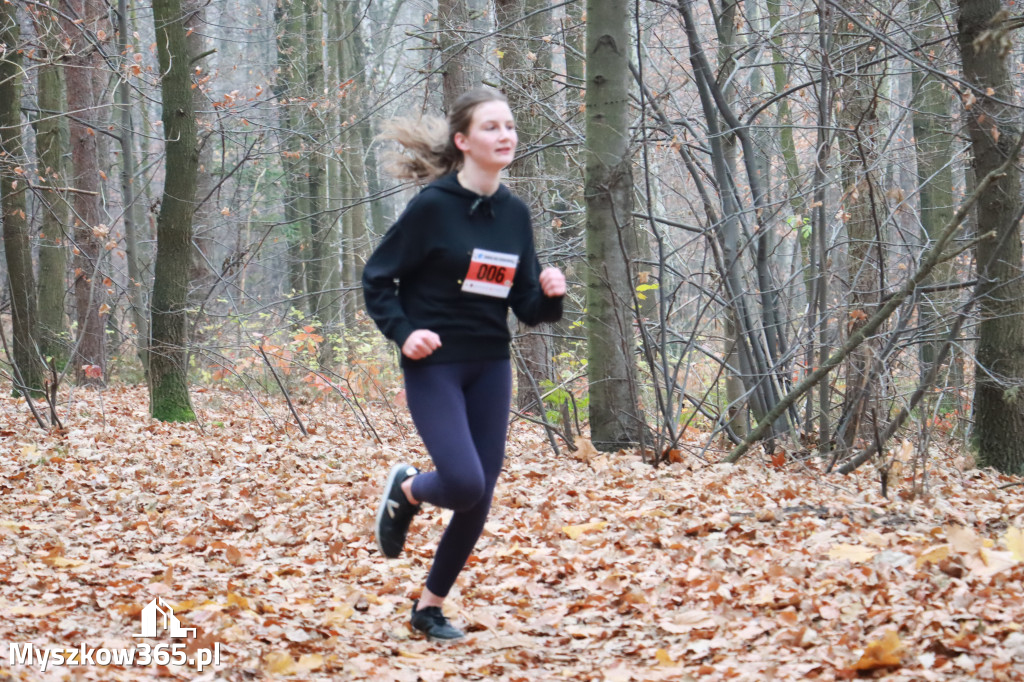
490, 273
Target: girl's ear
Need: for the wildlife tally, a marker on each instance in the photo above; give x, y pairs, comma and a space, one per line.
460, 142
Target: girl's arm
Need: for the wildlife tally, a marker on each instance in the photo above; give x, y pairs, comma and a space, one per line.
536, 296
397, 255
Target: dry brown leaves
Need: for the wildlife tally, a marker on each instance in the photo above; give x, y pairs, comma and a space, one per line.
595, 567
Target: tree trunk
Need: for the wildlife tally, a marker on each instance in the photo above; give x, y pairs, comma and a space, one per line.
728, 48
288, 15
13, 185
314, 128
859, 139
169, 398
354, 138
376, 55
81, 69
787, 143
615, 419
51, 143
202, 276
137, 287
460, 68
994, 126
336, 192
574, 36
933, 141
799, 220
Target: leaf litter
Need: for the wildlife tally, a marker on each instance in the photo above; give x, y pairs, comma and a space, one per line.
593, 567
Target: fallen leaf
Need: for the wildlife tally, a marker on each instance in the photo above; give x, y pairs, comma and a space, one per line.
338, 615
876, 540
62, 562
856, 554
828, 612
309, 662
280, 663
233, 555
881, 653
585, 449
238, 600
575, 532
683, 623
963, 539
933, 555
987, 562
1014, 541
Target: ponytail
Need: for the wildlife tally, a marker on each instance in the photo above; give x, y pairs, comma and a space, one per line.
426, 155
428, 143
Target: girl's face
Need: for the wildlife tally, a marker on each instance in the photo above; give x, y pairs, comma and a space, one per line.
490, 142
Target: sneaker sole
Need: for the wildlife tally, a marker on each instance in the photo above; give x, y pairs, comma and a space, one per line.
382, 508
440, 640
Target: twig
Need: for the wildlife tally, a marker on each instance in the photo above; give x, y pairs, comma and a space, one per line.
356, 407
935, 288
204, 55
71, 190
287, 397
50, 391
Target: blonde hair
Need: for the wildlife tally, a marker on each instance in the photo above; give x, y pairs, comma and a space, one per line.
428, 142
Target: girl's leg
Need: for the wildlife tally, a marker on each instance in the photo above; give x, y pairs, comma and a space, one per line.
438, 408
465, 432
487, 403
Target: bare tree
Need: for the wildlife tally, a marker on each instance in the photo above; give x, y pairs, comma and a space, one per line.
13, 188
614, 418
288, 89
83, 21
860, 138
934, 143
994, 126
168, 369
133, 222
51, 142
460, 69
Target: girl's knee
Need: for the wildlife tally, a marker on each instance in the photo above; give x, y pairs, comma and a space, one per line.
466, 491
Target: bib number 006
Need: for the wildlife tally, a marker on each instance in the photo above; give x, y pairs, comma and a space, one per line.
490, 273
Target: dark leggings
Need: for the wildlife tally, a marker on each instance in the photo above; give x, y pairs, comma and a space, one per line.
461, 412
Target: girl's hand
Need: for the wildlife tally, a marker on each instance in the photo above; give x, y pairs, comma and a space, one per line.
420, 344
552, 282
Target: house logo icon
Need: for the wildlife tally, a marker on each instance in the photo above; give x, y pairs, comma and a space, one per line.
158, 615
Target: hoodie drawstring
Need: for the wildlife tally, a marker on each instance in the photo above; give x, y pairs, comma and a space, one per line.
482, 201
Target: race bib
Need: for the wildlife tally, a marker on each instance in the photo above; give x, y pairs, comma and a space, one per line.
490, 273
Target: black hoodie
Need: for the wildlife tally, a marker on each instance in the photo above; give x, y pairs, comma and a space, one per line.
445, 265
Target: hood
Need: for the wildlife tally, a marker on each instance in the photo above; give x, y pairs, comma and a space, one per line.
475, 203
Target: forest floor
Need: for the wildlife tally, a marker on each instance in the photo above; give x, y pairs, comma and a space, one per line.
592, 566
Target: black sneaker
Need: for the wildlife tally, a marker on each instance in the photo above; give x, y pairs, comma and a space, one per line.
395, 512
431, 622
